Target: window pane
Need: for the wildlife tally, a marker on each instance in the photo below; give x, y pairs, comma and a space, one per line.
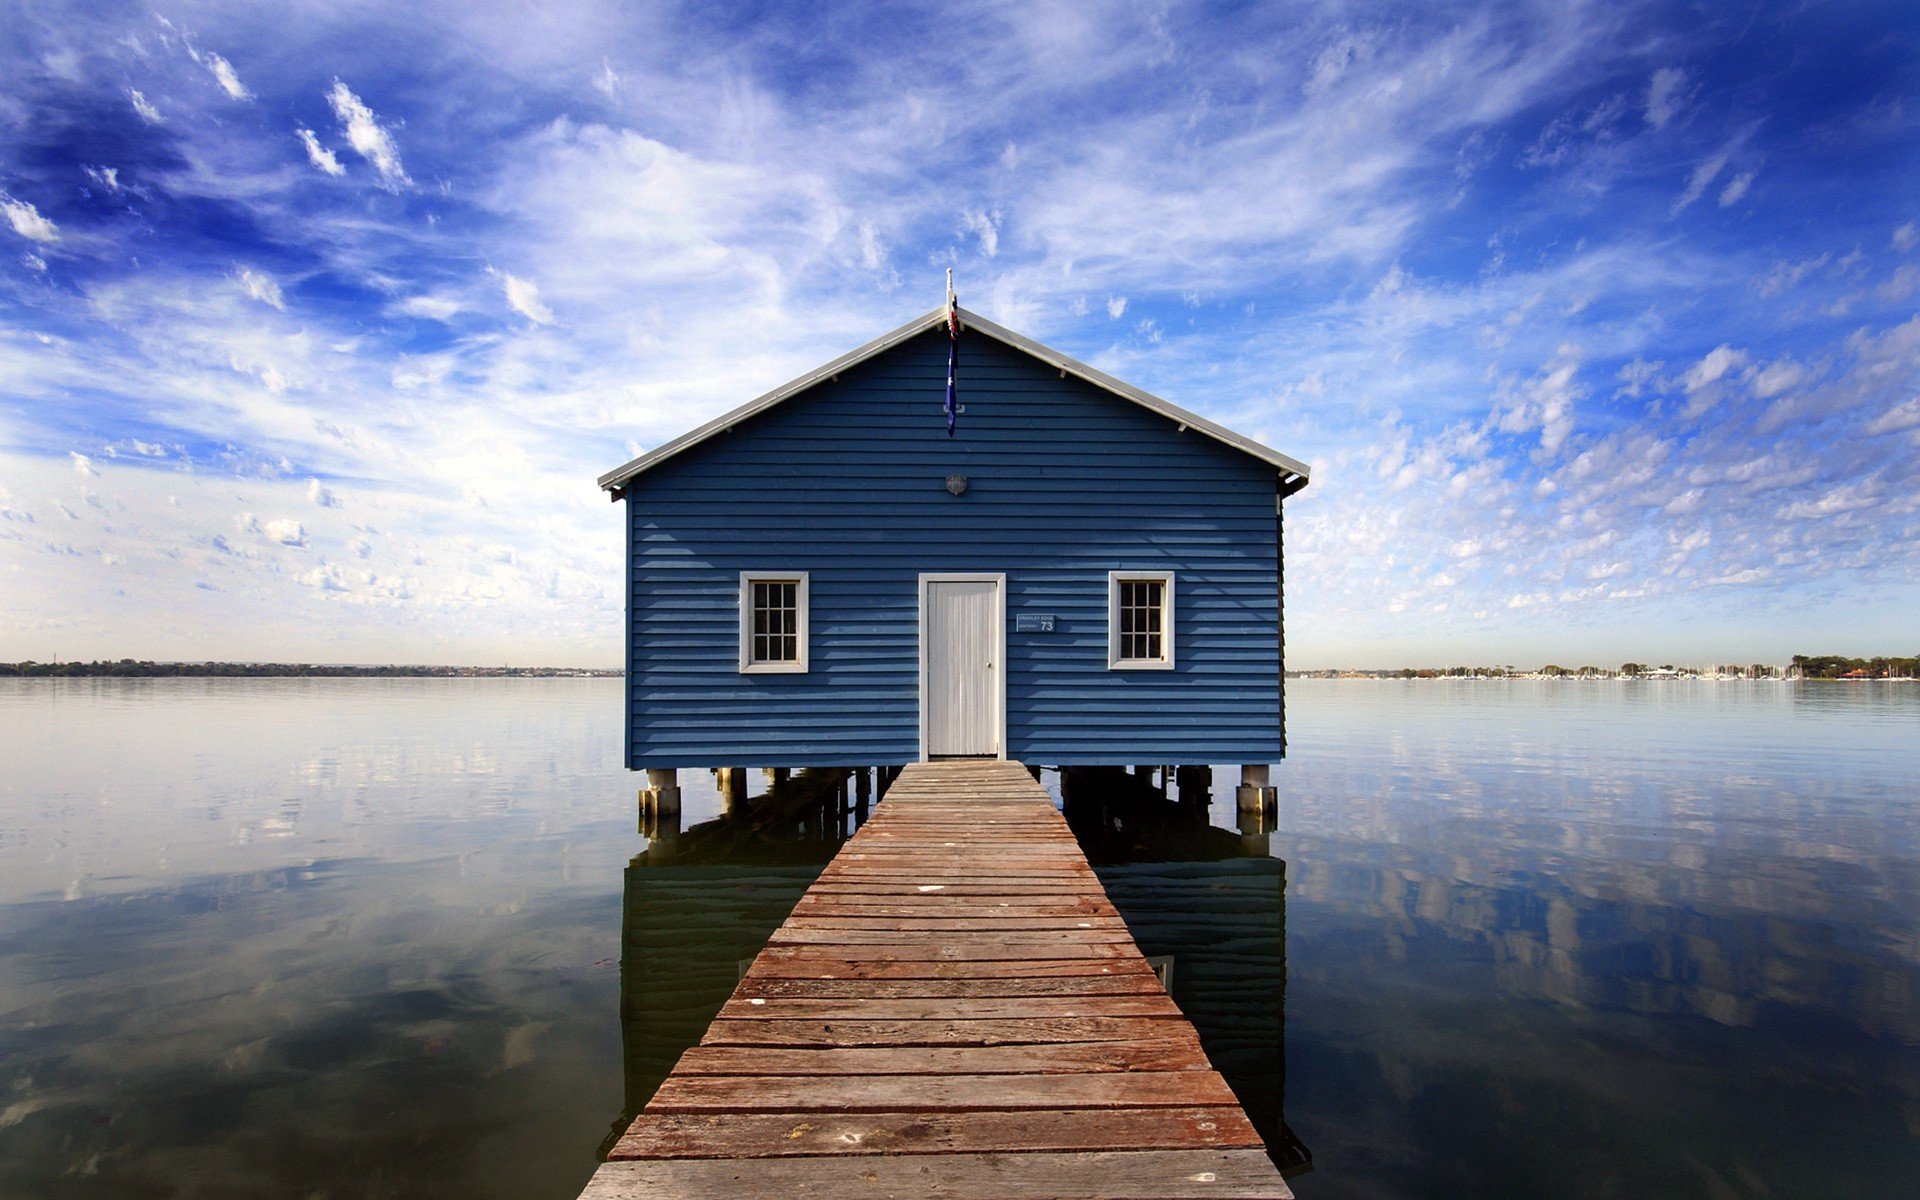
1141, 608
775, 621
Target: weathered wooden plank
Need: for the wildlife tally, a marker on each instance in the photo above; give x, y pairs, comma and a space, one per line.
963, 1032
1175, 1051
963, 988
953, 950
786, 1134
951, 910
973, 1008
953, 943
913, 897
946, 1093
951, 888
955, 924
1134, 1174
811, 966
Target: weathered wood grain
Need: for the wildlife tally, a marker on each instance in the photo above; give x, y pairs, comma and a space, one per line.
813, 966
790, 1134
950, 1093
972, 1008
1176, 1051
856, 1031
963, 988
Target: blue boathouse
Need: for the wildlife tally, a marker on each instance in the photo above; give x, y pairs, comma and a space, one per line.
1082, 575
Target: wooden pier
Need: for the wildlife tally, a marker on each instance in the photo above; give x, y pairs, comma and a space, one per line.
953, 1009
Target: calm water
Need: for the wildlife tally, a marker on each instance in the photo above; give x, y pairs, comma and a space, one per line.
339, 938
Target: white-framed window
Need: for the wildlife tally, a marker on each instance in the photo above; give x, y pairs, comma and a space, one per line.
1140, 620
773, 622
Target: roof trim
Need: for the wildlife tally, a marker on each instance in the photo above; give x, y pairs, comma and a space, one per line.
1293, 471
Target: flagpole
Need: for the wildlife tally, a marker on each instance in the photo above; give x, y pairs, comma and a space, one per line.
953, 356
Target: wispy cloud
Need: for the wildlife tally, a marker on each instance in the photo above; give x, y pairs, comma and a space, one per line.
369, 139
1736, 189
27, 221
260, 287
1702, 178
1666, 92
227, 78
524, 298
143, 107
321, 157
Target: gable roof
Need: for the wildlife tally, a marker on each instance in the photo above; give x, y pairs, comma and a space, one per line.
1293, 473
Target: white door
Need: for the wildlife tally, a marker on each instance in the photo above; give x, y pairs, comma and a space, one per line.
960, 631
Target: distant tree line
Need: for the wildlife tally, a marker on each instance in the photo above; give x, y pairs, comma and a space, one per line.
127, 667
1833, 666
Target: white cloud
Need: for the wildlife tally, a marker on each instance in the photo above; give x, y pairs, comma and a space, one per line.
431, 307
1010, 157
1783, 276
371, 140
1902, 416
524, 298
1337, 59
261, 287
27, 221
1906, 237
1904, 282
143, 107
328, 578
225, 76
1713, 367
1736, 189
286, 531
321, 495
106, 177
319, 155
1702, 177
1846, 498
608, 80
873, 255
1666, 92
1546, 402
81, 463
1637, 376
1116, 307
985, 226
1777, 377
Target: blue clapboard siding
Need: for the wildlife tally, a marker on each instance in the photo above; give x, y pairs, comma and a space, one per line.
847, 482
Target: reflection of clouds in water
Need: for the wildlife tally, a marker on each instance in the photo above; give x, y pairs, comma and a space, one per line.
1640, 936
1671, 873
1717, 951
120, 784
352, 1026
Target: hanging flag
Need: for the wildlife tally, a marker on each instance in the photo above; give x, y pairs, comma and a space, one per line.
953, 355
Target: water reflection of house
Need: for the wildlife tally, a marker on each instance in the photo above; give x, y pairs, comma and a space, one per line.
701, 902
1210, 903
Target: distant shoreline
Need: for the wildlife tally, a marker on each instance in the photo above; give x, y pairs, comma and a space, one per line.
1884, 668
127, 668
1802, 667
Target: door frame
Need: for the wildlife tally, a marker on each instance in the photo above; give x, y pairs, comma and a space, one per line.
999, 580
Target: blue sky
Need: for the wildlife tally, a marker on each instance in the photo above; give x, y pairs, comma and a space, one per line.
1599, 323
